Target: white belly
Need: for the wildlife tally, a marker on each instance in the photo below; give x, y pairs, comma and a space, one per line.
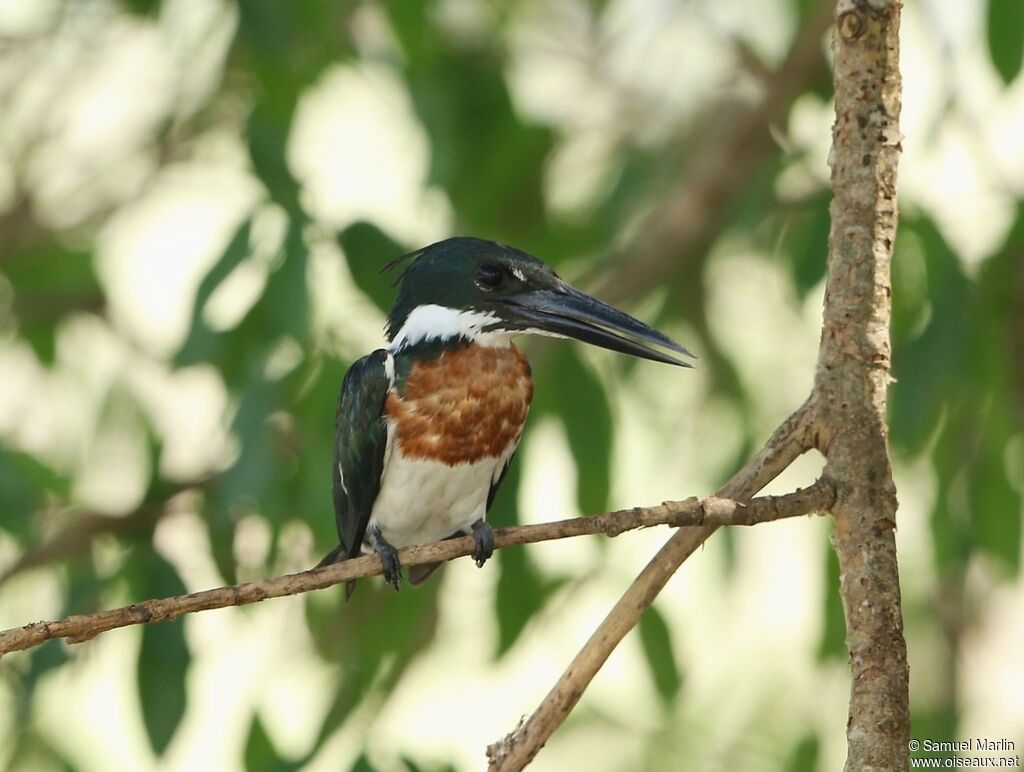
421, 501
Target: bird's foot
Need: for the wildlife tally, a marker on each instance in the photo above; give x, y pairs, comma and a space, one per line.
388, 557
483, 542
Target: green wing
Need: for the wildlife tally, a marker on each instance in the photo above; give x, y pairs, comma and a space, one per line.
497, 483
360, 445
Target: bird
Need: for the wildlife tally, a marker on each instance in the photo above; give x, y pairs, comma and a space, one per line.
426, 428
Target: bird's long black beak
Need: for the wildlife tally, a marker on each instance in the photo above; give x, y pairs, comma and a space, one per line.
567, 312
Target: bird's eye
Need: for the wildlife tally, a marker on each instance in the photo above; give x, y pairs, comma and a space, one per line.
490, 277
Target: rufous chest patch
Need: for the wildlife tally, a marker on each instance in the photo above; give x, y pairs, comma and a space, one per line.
466, 404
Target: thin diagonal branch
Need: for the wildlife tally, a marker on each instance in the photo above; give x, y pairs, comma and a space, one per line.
711, 512
789, 441
738, 144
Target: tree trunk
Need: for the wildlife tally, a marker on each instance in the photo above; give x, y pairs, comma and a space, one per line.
853, 376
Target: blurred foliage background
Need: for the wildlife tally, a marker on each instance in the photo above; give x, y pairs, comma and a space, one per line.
195, 197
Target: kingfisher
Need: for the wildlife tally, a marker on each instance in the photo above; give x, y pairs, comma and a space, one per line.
426, 428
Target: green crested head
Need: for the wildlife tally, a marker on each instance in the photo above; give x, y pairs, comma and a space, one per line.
485, 292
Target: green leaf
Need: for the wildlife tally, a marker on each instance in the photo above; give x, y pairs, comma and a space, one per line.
805, 243
362, 764
268, 460
911, 303
805, 8
260, 754
247, 484
924, 379
995, 503
993, 397
805, 755
142, 7
25, 483
307, 492
42, 659
221, 529
85, 589
521, 592
833, 634
267, 137
287, 295
412, 766
486, 158
50, 281
201, 343
941, 721
950, 527
282, 311
569, 390
33, 751
285, 46
521, 589
657, 642
1006, 37
373, 637
367, 249
163, 659
953, 390
256, 469
51, 655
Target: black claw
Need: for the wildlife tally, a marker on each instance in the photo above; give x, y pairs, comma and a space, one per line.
388, 557
483, 542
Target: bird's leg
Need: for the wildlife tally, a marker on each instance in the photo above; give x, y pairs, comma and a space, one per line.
388, 556
483, 542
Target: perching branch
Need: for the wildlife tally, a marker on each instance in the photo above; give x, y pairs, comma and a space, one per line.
789, 441
711, 512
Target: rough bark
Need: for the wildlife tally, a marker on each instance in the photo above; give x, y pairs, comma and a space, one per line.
853, 376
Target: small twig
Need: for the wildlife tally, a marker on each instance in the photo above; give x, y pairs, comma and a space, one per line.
718, 174
79, 530
791, 439
76, 536
710, 512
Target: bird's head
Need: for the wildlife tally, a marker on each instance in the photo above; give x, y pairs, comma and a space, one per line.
487, 292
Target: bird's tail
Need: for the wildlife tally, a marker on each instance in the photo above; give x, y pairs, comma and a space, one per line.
337, 555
